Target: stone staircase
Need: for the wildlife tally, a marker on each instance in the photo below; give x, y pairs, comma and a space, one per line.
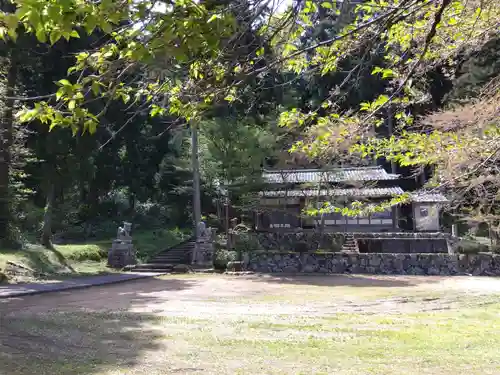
176, 258
350, 244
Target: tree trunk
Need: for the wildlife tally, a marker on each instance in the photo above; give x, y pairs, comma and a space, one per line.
6, 131
131, 203
196, 178
46, 238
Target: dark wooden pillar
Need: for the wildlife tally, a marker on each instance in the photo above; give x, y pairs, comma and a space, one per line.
395, 217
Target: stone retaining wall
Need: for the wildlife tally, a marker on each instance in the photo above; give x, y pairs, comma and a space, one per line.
398, 242
374, 263
392, 246
292, 241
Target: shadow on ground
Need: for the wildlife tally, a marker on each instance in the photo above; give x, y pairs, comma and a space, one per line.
346, 280
85, 331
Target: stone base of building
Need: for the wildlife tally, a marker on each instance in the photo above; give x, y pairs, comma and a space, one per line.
121, 255
484, 264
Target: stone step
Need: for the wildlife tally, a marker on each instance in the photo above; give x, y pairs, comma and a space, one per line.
180, 255
183, 250
168, 268
174, 256
171, 256
153, 270
350, 245
174, 252
162, 256
187, 248
155, 265
168, 261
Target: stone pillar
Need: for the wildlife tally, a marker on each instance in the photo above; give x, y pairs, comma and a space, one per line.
203, 252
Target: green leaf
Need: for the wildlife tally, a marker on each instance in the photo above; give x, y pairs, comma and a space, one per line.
90, 24
95, 88
25, 115
155, 110
41, 35
213, 18
64, 82
13, 34
365, 106
91, 126
381, 100
125, 98
54, 13
387, 73
326, 5
11, 21
72, 105
59, 93
23, 11
74, 34
106, 27
55, 35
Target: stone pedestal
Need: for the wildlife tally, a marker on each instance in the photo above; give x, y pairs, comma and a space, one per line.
203, 253
122, 251
121, 254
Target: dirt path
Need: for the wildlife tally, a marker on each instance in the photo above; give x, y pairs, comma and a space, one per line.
185, 294
111, 329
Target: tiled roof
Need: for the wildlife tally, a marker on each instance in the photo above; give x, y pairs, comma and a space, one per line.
368, 192
428, 198
330, 175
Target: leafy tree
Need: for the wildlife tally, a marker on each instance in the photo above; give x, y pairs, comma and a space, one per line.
194, 59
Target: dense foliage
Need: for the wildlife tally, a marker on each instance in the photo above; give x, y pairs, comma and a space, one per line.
100, 96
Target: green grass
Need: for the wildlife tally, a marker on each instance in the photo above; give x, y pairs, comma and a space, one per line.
85, 258
63, 260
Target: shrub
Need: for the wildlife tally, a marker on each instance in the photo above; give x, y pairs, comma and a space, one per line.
150, 215
496, 249
470, 246
83, 252
222, 257
30, 217
76, 233
244, 241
